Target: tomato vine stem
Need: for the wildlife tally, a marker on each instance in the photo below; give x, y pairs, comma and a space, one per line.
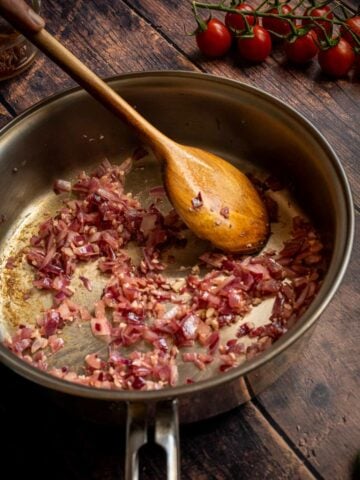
313, 21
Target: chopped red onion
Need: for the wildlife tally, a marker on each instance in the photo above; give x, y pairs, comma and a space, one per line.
93, 361
61, 186
86, 282
197, 202
100, 327
55, 343
158, 191
10, 263
225, 212
148, 223
142, 309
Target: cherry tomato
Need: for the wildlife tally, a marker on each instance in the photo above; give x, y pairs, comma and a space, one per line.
257, 48
354, 24
357, 65
320, 12
216, 40
336, 61
276, 25
236, 22
303, 49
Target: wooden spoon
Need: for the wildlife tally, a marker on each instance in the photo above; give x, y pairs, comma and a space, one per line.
215, 200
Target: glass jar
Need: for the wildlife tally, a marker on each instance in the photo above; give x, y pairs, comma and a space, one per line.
16, 52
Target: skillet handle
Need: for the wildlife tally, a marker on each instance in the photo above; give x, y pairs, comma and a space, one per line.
166, 436
19, 14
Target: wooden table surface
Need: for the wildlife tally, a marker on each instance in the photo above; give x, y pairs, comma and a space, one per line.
307, 425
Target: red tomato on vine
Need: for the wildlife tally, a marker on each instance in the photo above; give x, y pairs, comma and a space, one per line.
320, 25
337, 60
303, 49
257, 48
215, 40
357, 65
276, 25
236, 22
353, 24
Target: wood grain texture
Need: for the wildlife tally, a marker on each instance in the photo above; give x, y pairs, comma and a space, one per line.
5, 116
105, 35
67, 447
314, 405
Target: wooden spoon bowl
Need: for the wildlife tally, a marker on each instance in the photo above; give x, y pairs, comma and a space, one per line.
216, 201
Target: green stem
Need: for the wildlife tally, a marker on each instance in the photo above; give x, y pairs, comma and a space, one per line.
248, 29
289, 17
199, 20
353, 34
256, 13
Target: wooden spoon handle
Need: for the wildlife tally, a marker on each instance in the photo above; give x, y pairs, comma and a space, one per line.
21, 16
25, 20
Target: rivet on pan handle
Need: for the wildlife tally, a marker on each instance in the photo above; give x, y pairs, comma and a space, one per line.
166, 436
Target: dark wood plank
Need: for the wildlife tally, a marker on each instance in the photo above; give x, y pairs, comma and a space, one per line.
5, 116
316, 403
62, 446
107, 36
329, 105
353, 4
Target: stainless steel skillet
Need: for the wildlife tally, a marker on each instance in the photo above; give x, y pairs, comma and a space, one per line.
71, 132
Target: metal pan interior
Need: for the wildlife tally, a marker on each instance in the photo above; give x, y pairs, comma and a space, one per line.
72, 133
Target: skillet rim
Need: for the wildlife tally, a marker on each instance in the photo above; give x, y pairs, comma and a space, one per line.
337, 266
